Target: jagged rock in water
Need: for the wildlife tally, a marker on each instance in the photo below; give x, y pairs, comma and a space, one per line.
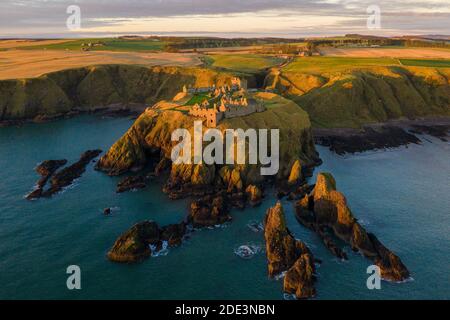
295, 177
208, 211
134, 244
282, 248
46, 170
391, 267
285, 253
300, 278
131, 183
173, 234
65, 177
254, 195
294, 186
326, 208
146, 239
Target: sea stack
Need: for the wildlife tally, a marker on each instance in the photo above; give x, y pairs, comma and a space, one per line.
286, 254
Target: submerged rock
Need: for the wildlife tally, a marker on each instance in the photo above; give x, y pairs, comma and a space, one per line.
131, 183
326, 209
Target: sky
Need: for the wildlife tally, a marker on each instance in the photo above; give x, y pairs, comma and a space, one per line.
228, 18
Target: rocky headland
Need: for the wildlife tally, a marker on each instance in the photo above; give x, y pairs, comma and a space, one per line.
147, 144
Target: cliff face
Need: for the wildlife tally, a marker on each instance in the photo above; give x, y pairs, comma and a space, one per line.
91, 88
150, 139
350, 99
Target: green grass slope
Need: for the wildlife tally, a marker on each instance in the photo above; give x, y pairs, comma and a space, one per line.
351, 92
90, 88
247, 63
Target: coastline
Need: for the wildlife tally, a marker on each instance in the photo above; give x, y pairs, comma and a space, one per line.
382, 135
114, 110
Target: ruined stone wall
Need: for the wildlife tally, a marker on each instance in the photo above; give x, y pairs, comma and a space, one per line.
240, 111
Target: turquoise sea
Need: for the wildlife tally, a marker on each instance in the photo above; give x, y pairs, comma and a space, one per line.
401, 195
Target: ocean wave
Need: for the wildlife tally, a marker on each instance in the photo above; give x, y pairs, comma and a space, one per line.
288, 296
247, 251
280, 276
163, 251
410, 279
255, 226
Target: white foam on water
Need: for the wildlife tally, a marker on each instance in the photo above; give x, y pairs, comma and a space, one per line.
280, 276
364, 222
288, 296
255, 226
410, 279
247, 251
164, 251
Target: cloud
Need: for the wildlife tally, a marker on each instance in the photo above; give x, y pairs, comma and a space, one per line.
44, 17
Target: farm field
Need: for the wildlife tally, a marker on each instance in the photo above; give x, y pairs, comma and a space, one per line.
243, 62
14, 43
426, 63
389, 52
33, 63
321, 65
109, 44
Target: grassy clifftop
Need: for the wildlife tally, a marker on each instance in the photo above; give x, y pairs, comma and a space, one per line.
90, 88
354, 92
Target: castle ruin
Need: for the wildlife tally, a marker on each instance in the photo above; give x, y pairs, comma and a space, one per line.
228, 101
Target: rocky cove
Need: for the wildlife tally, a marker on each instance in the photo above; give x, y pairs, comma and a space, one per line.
80, 210
216, 190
